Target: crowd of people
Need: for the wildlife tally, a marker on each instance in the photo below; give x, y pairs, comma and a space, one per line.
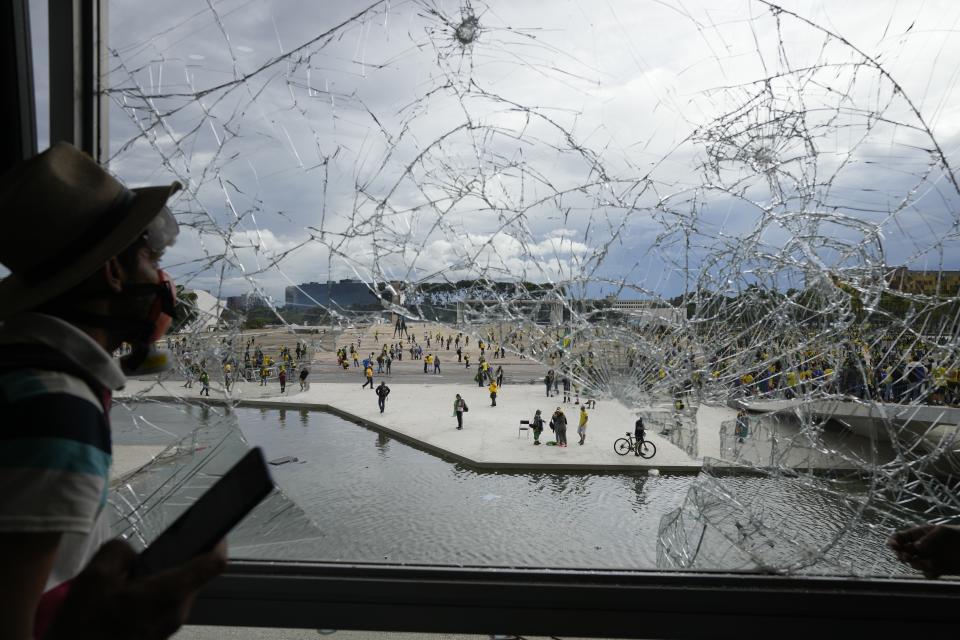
888, 373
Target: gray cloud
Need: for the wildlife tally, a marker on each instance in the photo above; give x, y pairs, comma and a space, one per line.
569, 117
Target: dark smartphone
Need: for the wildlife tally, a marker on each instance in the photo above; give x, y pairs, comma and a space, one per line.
211, 517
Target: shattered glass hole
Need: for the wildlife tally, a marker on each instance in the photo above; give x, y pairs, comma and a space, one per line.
467, 30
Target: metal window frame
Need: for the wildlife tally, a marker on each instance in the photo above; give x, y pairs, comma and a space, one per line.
79, 104
486, 600
584, 603
18, 136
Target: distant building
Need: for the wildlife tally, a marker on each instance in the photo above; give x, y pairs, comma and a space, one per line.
931, 283
345, 294
649, 311
248, 301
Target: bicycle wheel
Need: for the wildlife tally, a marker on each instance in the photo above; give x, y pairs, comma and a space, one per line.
647, 449
622, 447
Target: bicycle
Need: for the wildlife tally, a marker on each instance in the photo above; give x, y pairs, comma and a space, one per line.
643, 448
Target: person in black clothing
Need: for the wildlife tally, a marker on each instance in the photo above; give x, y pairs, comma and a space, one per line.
459, 408
639, 433
559, 422
304, 385
382, 392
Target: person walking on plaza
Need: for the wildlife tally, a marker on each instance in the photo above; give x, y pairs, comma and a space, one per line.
499, 376
282, 379
189, 373
537, 426
548, 381
582, 427
459, 355
459, 408
493, 393
436, 364
566, 388
382, 392
559, 422
369, 373
479, 377
205, 383
304, 385
466, 359
426, 362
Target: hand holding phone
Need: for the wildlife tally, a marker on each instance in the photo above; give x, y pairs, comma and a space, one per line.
211, 517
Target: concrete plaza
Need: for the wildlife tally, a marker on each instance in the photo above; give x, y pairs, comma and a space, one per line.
422, 415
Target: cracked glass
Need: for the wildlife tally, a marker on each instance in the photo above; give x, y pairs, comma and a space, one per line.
736, 221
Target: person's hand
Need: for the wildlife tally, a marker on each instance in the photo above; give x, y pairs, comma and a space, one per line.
105, 602
932, 549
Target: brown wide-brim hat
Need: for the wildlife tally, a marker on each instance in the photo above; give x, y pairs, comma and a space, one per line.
64, 217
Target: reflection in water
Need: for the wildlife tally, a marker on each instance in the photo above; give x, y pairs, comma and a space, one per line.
383, 443
637, 485
304, 418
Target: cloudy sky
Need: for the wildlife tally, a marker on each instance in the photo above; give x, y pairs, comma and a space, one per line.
637, 147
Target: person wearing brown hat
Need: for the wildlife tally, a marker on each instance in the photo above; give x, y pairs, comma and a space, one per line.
82, 252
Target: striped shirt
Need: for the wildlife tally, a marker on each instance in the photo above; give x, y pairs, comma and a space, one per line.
55, 448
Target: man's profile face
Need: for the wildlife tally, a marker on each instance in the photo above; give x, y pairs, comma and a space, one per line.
144, 268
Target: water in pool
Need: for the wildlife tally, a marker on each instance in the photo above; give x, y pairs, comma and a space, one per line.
376, 499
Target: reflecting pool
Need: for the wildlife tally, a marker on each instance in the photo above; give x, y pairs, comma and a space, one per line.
371, 498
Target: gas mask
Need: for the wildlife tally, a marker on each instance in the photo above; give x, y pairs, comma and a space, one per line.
145, 358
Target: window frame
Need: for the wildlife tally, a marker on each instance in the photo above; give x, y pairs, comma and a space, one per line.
565, 602
538, 601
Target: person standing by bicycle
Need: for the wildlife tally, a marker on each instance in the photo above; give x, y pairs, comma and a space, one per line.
639, 432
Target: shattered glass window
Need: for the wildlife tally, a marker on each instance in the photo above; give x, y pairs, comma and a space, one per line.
736, 221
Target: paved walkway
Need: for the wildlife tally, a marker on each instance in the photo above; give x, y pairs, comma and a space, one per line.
423, 414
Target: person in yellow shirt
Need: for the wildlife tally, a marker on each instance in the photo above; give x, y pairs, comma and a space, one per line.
790, 391
493, 393
939, 384
582, 427
369, 373
746, 381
